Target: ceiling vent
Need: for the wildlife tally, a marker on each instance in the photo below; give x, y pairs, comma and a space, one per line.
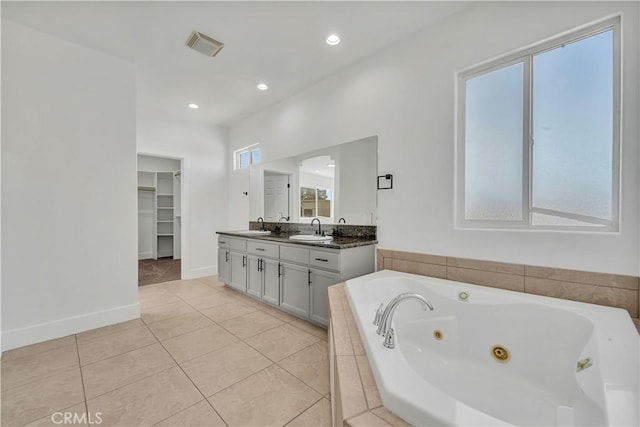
204, 44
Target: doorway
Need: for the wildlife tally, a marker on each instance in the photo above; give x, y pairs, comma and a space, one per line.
276, 196
159, 219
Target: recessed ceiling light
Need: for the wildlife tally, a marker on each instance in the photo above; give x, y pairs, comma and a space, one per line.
194, 106
333, 39
331, 165
262, 86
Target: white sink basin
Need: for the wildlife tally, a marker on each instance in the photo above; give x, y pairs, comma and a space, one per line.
310, 238
254, 232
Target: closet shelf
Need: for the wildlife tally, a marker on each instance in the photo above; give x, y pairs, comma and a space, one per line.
164, 207
165, 195
161, 235
143, 188
165, 221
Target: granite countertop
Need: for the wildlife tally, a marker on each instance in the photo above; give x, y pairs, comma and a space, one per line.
338, 242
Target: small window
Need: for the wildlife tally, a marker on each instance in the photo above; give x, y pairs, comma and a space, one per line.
539, 135
247, 156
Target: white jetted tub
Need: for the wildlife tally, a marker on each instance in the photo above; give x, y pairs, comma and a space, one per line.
498, 357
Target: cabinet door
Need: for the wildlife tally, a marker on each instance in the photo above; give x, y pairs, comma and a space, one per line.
271, 281
238, 271
320, 281
254, 285
224, 266
294, 291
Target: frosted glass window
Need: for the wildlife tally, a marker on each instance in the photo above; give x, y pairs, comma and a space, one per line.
539, 134
244, 159
493, 145
573, 127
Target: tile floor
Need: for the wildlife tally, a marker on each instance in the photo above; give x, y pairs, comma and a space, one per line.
158, 270
201, 355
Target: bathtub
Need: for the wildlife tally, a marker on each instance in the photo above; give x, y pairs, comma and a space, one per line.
498, 357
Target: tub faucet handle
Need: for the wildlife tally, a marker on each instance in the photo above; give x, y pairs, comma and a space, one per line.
389, 339
379, 311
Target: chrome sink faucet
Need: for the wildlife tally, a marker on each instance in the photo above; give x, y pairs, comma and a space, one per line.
261, 222
319, 226
383, 319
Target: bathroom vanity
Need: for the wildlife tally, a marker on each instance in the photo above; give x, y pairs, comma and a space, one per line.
292, 275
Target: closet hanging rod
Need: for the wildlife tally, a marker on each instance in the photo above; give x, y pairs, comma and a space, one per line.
177, 173
147, 188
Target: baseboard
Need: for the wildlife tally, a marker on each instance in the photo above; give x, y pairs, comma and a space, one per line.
145, 255
194, 273
71, 325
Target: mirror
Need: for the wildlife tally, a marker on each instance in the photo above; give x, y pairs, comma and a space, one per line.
330, 183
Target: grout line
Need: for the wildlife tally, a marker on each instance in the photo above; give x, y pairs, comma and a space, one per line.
120, 354
194, 385
303, 411
84, 392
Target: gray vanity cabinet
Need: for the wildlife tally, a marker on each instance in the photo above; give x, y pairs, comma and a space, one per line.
238, 271
254, 285
271, 281
294, 289
319, 302
224, 265
293, 277
264, 279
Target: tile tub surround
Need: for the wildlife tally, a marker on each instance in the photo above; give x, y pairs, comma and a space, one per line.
201, 354
355, 398
365, 232
595, 288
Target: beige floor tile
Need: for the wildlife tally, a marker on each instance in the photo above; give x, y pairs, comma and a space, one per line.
215, 371
250, 324
167, 311
40, 398
199, 415
77, 415
173, 327
227, 311
114, 344
26, 369
109, 374
107, 330
390, 417
281, 341
212, 299
277, 313
310, 328
310, 365
319, 415
272, 397
367, 419
34, 349
189, 289
160, 299
147, 401
193, 344
211, 281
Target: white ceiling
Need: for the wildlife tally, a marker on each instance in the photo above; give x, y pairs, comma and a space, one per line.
281, 43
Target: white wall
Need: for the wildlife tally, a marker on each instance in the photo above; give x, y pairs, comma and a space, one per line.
157, 164
405, 95
204, 181
68, 188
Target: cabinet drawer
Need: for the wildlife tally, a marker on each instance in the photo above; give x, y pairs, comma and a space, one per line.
237, 244
322, 259
294, 254
262, 249
223, 242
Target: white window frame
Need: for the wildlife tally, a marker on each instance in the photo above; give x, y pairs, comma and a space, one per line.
247, 149
525, 56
